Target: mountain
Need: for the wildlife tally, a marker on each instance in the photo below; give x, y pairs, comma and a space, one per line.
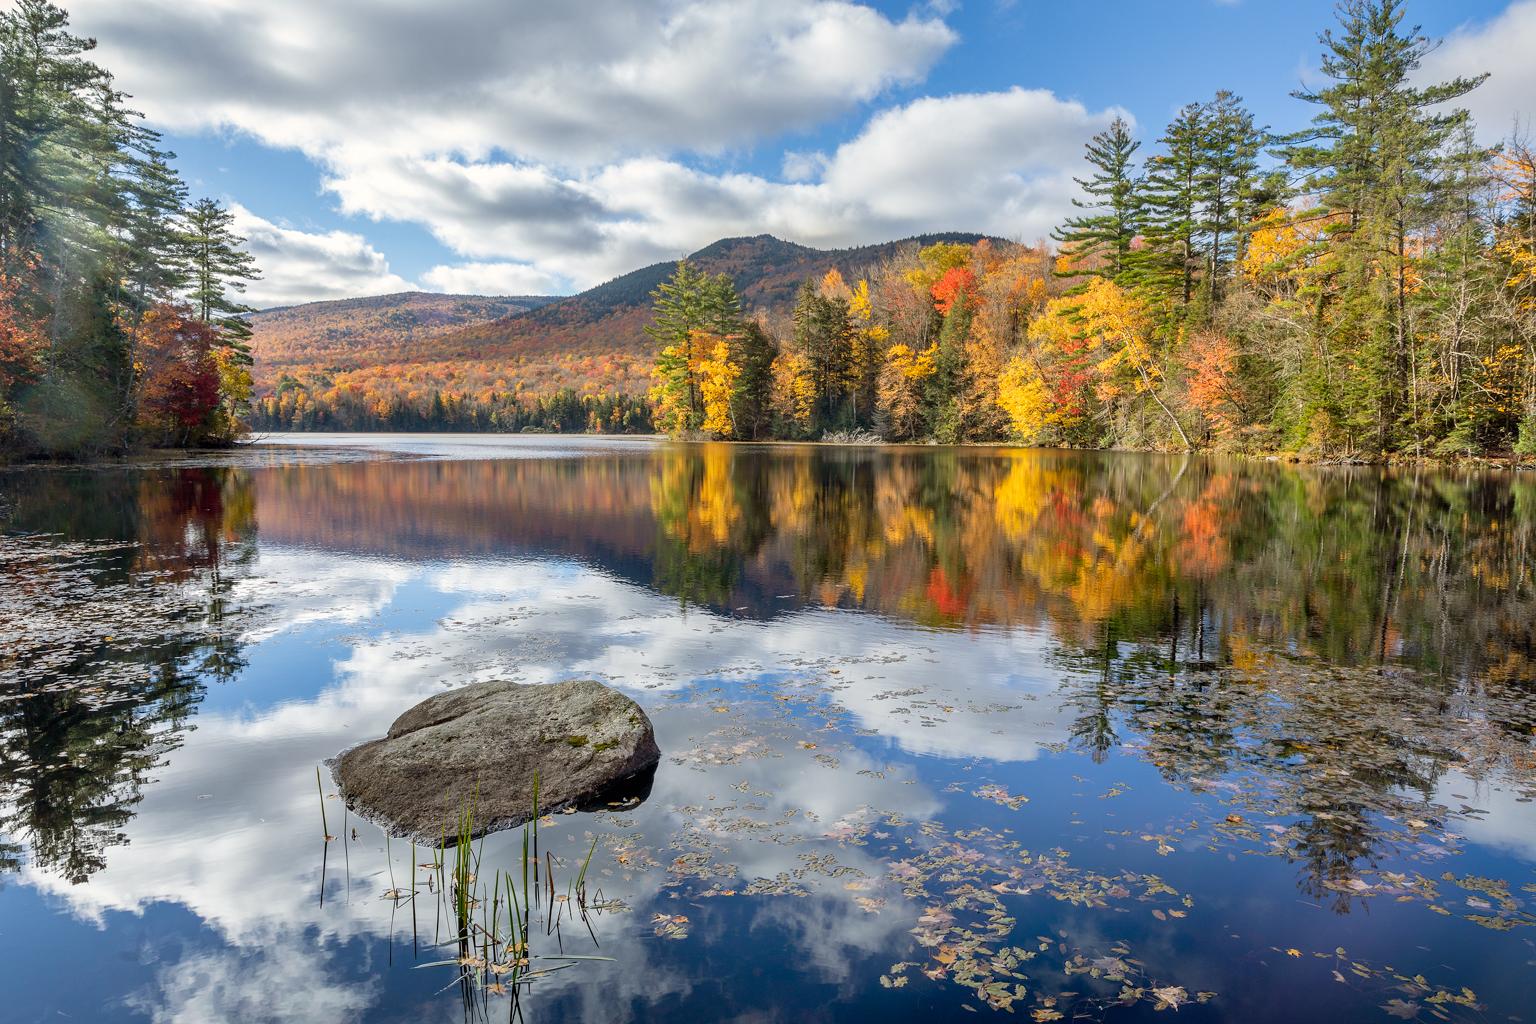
346, 334
416, 342
612, 316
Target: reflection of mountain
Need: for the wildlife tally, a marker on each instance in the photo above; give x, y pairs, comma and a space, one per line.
117, 621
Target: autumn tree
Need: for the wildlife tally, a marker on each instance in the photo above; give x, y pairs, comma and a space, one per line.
689, 309
1117, 325
90, 239
179, 400
719, 374
901, 387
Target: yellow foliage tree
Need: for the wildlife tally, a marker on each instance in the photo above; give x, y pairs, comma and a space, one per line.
1022, 394
794, 391
718, 375
900, 387
1117, 321
833, 286
933, 262
671, 401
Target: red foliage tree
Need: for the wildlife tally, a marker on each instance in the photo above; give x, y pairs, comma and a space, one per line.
22, 335
179, 379
956, 282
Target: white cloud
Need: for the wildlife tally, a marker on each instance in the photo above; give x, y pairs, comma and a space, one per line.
490, 279
1502, 47
562, 143
243, 780
1005, 167
281, 982
304, 266
797, 166
577, 82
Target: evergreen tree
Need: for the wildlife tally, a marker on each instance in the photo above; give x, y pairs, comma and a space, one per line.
824, 336
90, 241
216, 266
753, 351
1376, 159
941, 390
1229, 186
153, 243
690, 311
1171, 207
1099, 241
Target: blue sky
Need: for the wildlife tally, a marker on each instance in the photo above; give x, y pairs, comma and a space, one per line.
507, 146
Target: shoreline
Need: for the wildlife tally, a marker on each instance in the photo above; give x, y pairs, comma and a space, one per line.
325, 439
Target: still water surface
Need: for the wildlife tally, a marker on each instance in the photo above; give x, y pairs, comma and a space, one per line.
946, 734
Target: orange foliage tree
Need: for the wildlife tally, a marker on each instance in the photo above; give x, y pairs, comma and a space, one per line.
179, 396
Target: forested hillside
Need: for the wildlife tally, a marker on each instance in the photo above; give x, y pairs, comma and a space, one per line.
589, 349
345, 334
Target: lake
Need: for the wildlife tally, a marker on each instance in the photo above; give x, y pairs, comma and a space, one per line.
946, 734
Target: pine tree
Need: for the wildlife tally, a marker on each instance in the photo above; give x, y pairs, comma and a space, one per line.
90, 240
1228, 186
753, 351
1376, 159
1099, 242
824, 336
1172, 213
689, 309
154, 251
44, 84
216, 266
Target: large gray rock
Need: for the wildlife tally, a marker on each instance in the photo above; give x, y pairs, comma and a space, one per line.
485, 743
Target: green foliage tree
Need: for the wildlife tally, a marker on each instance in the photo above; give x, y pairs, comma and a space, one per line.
1100, 239
1171, 207
217, 265
1230, 187
824, 335
753, 350
685, 308
1378, 163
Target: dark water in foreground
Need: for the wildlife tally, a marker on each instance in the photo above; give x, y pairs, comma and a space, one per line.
946, 733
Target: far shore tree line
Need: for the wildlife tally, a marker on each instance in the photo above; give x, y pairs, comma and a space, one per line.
1365, 287
119, 323
309, 404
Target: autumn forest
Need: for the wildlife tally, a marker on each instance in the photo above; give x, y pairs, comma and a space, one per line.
1363, 286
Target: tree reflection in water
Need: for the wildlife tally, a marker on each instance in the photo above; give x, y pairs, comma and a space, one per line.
1317, 649
114, 599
